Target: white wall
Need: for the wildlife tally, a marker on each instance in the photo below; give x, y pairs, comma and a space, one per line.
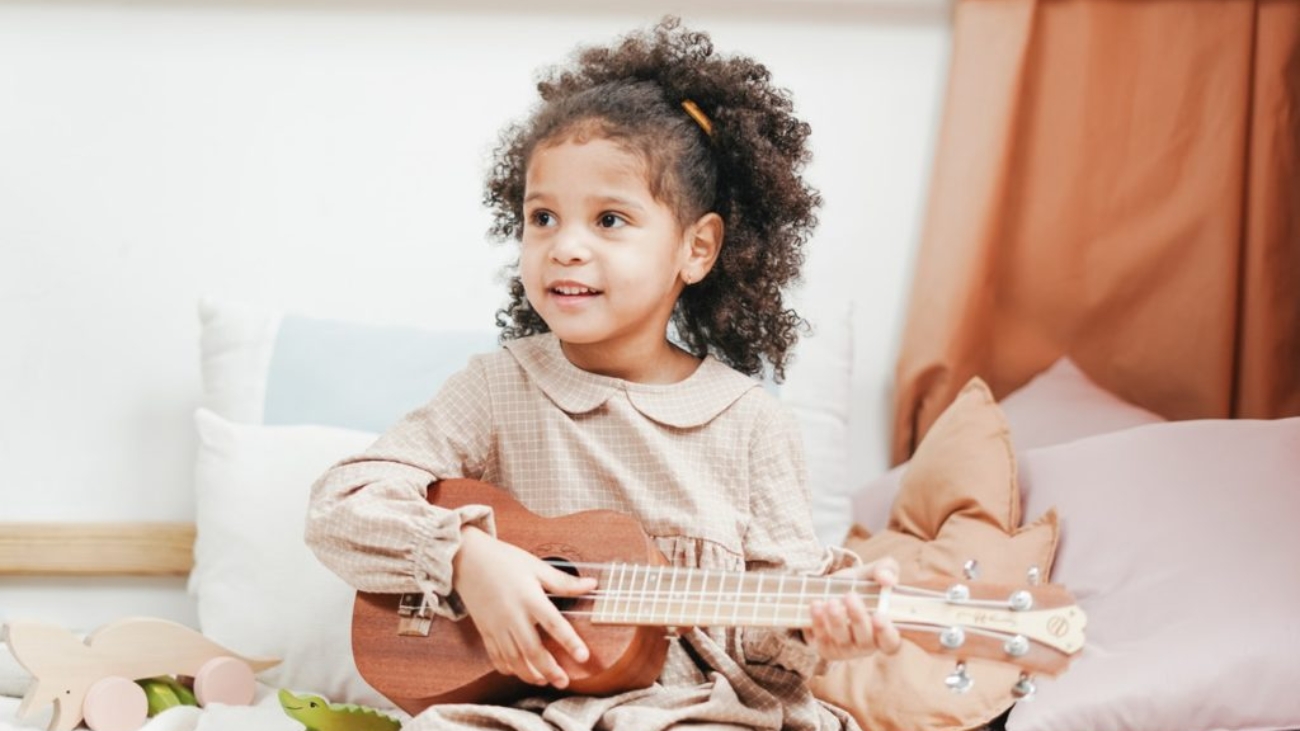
327, 157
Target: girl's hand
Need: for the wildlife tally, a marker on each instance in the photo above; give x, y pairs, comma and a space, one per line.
842, 627
504, 590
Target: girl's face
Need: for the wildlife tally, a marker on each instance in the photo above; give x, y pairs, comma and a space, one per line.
603, 261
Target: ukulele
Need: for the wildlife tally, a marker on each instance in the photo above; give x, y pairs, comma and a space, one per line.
417, 659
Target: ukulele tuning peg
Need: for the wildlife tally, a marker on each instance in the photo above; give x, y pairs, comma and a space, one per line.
958, 681
1034, 576
1017, 646
952, 637
1021, 601
1025, 688
971, 570
958, 593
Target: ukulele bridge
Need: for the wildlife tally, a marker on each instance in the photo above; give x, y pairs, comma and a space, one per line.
414, 615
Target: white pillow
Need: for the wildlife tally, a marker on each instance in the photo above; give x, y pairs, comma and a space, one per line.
817, 390
259, 589
236, 341
14, 679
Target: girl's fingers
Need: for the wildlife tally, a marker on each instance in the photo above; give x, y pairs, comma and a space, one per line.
534, 663
830, 630
554, 624
847, 628
841, 629
545, 670
510, 661
859, 620
883, 571
558, 582
887, 638
499, 663
816, 632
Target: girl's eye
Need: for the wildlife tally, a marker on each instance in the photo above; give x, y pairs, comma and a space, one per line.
541, 218
612, 220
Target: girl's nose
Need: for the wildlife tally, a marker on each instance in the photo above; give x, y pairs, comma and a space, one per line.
570, 247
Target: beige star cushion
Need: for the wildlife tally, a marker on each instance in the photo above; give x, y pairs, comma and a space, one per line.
959, 501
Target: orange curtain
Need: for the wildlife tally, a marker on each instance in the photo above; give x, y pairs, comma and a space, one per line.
1117, 181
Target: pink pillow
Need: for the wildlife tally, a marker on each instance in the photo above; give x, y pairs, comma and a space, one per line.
1062, 404
1180, 542
1059, 405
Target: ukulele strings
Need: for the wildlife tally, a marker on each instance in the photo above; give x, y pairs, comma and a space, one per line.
706, 594
768, 601
743, 595
802, 619
715, 584
709, 575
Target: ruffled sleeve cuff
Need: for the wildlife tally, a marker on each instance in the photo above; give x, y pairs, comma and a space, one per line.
782, 648
438, 544
836, 558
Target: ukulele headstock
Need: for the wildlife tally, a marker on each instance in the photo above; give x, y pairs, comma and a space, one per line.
1036, 628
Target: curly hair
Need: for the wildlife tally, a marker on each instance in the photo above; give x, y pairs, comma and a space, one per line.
746, 168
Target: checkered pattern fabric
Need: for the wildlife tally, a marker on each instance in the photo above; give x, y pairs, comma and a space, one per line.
712, 467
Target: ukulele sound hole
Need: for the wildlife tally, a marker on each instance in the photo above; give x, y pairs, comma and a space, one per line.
563, 603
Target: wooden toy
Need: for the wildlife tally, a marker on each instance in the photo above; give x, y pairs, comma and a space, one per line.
318, 714
93, 680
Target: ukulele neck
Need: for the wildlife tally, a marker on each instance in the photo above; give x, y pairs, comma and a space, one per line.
670, 596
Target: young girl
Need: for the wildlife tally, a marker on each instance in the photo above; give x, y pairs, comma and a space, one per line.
657, 184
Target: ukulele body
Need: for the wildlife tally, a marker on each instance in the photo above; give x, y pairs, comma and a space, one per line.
450, 665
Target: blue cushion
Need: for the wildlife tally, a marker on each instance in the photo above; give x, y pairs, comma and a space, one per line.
360, 376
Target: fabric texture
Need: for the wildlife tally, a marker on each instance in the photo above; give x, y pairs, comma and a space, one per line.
711, 466
257, 588
959, 501
1179, 542
1119, 181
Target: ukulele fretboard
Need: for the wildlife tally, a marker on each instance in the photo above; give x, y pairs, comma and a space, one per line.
673, 596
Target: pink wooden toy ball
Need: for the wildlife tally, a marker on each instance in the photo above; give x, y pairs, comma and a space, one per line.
225, 680
115, 704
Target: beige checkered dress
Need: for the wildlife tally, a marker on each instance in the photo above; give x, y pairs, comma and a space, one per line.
711, 466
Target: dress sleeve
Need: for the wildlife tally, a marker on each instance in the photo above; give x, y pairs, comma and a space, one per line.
369, 519
780, 536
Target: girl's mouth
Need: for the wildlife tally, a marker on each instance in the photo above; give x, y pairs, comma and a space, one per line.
574, 290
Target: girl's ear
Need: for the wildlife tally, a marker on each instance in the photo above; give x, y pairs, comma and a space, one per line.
703, 244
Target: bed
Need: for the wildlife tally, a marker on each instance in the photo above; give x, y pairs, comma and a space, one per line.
1175, 537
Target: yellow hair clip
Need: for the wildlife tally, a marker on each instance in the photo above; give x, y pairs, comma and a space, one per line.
698, 116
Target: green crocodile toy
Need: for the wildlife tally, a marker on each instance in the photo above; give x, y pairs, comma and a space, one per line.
317, 714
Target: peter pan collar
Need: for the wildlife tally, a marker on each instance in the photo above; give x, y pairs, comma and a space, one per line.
695, 401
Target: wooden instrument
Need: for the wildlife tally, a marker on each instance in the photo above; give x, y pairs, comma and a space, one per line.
417, 659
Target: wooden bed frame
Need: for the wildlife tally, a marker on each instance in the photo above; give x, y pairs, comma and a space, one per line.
96, 549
